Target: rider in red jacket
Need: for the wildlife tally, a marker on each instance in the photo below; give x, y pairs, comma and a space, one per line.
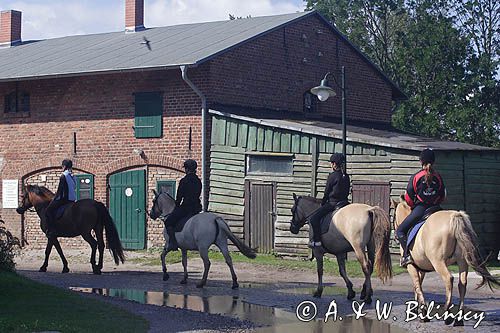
425, 189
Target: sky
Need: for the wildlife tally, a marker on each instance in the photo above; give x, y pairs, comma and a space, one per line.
43, 19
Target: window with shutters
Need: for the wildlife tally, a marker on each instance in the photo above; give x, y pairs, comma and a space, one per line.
167, 186
148, 115
84, 187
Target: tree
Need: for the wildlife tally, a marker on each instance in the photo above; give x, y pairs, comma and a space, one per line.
441, 53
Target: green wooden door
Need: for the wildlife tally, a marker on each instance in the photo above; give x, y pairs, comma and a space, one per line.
127, 203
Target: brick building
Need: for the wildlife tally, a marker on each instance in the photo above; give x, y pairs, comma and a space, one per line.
127, 107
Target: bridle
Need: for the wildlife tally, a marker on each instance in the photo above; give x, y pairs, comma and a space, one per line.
302, 222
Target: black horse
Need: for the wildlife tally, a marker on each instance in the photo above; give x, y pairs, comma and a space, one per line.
79, 219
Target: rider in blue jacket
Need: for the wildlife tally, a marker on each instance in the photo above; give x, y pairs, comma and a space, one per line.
66, 193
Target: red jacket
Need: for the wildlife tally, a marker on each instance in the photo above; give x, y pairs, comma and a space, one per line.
418, 192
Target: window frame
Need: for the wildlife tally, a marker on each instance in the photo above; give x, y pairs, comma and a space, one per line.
81, 176
269, 155
173, 182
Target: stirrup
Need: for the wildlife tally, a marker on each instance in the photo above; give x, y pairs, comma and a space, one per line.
313, 244
405, 261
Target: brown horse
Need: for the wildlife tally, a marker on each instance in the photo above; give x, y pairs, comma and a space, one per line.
355, 227
79, 219
445, 238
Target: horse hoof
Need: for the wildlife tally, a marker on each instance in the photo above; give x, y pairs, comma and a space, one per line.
318, 293
235, 286
165, 276
368, 300
448, 321
351, 294
184, 281
43, 269
458, 323
97, 271
65, 270
200, 285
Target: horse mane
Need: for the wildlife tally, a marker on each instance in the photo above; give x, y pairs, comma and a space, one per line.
310, 199
41, 191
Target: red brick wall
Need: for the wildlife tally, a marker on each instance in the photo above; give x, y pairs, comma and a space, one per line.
100, 110
272, 71
275, 70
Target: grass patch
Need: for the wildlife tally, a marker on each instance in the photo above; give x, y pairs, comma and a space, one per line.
28, 306
330, 265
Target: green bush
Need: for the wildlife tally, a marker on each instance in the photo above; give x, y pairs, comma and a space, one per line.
8, 244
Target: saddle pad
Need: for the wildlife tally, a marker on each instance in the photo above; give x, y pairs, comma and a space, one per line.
326, 221
414, 230
60, 211
180, 224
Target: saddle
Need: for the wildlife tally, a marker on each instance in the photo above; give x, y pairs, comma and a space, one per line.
60, 211
412, 233
181, 223
327, 219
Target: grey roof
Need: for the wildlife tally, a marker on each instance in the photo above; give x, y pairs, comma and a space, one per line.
172, 46
186, 44
358, 134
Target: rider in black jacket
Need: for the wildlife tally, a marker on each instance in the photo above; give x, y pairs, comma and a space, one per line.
187, 202
336, 192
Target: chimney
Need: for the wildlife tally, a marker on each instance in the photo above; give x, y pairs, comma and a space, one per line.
10, 28
134, 15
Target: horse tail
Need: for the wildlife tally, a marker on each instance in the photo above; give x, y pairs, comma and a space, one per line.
381, 231
246, 250
467, 239
112, 238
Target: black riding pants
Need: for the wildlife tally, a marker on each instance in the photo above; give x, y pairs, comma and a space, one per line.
316, 217
416, 214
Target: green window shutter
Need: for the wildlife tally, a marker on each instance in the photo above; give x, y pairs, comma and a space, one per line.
148, 115
84, 187
166, 186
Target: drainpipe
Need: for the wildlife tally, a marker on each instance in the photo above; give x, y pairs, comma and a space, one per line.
203, 135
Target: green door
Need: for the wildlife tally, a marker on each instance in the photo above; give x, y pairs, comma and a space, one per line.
127, 203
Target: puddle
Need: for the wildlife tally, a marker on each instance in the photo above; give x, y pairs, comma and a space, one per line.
272, 319
327, 291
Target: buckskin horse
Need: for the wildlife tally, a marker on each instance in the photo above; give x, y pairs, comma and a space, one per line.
353, 228
198, 234
445, 238
78, 219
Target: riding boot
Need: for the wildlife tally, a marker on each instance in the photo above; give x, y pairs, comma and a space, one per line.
316, 242
406, 257
172, 242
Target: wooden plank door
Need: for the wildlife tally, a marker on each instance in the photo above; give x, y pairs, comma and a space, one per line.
127, 206
260, 215
372, 193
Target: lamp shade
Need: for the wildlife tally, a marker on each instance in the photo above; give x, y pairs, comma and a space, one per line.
323, 91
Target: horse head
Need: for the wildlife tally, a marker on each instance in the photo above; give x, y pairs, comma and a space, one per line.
298, 216
401, 210
163, 204
34, 195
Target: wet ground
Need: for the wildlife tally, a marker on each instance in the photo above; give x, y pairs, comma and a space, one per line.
267, 300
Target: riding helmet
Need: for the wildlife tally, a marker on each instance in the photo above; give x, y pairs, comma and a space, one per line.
190, 165
68, 164
337, 158
427, 156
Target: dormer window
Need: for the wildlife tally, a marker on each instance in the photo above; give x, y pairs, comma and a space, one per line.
17, 102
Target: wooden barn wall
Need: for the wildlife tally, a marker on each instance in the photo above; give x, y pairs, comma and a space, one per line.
232, 139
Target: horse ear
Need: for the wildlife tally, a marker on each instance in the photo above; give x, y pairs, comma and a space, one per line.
294, 196
394, 203
402, 198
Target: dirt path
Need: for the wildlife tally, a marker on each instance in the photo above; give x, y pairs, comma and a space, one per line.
281, 289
